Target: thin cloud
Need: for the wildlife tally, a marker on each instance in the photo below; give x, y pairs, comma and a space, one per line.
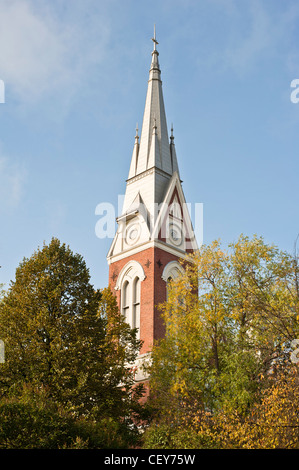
243, 53
12, 180
43, 54
246, 34
265, 34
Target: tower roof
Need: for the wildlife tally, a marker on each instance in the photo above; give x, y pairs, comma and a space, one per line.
154, 118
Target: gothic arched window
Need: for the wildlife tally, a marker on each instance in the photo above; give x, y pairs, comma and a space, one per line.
129, 284
171, 271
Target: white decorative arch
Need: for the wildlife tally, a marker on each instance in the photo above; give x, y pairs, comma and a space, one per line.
173, 269
129, 272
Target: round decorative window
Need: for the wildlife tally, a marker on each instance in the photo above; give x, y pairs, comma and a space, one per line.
175, 234
132, 233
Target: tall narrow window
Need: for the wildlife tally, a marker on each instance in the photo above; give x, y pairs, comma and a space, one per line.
125, 301
136, 305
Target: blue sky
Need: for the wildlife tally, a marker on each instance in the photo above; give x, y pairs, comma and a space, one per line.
75, 75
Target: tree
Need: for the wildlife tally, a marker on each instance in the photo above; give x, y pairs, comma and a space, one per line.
271, 423
228, 319
66, 339
40, 313
33, 421
120, 348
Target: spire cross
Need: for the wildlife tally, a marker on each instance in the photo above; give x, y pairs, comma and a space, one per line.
154, 38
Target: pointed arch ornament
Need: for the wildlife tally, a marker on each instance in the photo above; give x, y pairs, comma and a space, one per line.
172, 270
129, 272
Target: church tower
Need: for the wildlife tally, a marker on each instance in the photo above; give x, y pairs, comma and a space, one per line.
154, 230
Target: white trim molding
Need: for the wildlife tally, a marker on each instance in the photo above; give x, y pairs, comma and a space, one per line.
131, 270
173, 269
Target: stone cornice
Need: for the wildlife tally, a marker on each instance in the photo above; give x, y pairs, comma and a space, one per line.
150, 171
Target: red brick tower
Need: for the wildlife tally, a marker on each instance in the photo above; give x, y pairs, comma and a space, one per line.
154, 230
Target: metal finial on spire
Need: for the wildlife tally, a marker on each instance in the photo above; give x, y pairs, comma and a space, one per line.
154, 38
136, 135
172, 136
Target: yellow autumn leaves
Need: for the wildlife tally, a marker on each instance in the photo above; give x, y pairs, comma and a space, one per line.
230, 320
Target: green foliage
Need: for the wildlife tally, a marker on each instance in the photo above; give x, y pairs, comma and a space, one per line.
272, 422
63, 337
119, 348
43, 318
32, 421
229, 319
165, 436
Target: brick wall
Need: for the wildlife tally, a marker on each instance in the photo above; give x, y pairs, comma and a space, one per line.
153, 291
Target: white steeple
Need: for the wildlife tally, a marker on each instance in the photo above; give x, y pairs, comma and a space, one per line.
153, 175
153, 154
154, 114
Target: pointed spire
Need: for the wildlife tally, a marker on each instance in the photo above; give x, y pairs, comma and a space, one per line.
134, 159
154, 107
174, 161
136, 135
155, 72
153, 174
171, 136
